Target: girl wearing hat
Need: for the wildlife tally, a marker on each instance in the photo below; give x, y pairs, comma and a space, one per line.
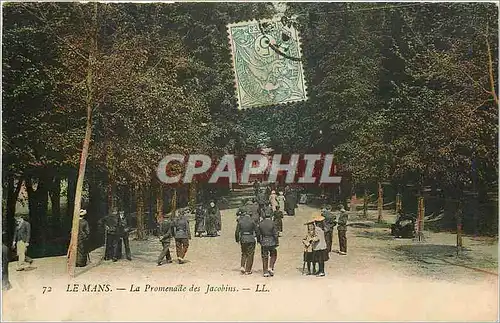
320, 253
309, 240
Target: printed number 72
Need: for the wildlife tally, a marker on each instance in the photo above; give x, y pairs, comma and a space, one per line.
46, 289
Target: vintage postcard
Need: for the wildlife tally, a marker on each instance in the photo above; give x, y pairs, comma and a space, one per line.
250, 161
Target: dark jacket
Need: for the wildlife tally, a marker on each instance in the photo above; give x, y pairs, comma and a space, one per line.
246, 230
267, 234
110, 223
342, 225
330, 220
83, 230
122, 226
181, 228
23, 232
166, 230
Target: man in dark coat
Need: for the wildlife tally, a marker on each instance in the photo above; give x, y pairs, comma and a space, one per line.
267, 236
256, 187
199, 225
290, 201
262, 201
112, 240
245, 233
182, 235
341, 229
21, 242
82, 253
278, 219
123, 230
211, 220
329, 223
166, 234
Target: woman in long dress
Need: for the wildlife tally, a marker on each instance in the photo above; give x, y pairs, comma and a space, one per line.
273, 200
281, 201
82, 253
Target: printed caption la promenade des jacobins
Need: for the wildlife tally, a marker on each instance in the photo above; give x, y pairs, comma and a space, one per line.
178, 288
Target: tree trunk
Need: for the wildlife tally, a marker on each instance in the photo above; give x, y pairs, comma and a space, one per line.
173, 203
13, 190
55, 198
159, 203
380, 202
38, 204
365, 204
459, 229
192, 194
140, 212
420, 219
398, 203
85, 149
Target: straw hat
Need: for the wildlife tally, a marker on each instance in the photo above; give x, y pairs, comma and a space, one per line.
83, 212
317, 217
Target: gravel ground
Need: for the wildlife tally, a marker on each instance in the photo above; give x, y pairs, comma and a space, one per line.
381, 278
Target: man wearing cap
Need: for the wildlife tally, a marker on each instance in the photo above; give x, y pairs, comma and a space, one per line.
166, 233
182, 235
245, 235
123, 230
330, 223
21, 242
82, 253
267, 236
341, 229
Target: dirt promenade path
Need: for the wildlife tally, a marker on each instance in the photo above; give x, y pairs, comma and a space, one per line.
380, 279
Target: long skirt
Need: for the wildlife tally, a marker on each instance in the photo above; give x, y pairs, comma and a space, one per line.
320, 255
81, 254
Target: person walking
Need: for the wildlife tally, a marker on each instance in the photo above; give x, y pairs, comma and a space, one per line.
166, 233
245, 234
211, 220
21, 242
278, 220
182, 235
281, 201
262, 202
289, 201
123, 230
273, 200
267, 236
199, 225
342, 230
112, 239
82, 253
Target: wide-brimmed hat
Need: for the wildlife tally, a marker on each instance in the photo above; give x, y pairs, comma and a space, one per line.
83, 212
281, 193
316, 217
273, 192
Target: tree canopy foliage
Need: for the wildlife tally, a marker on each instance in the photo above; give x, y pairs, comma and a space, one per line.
403, 93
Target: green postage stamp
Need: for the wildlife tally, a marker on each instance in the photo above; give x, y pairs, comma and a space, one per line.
266, 60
